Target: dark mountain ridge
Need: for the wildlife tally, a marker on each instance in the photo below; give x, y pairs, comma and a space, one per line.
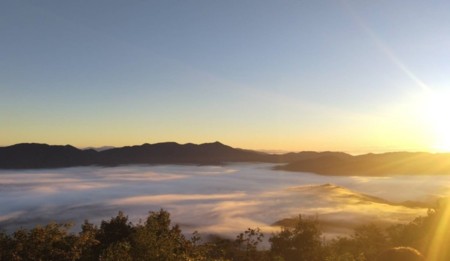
385, 164
35, 156
174, 153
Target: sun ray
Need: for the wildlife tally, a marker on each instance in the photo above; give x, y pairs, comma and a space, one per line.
437, 249
384, 48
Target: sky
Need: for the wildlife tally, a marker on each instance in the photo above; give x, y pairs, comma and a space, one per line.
354, 76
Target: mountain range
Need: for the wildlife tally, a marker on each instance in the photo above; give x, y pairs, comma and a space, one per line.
35, 156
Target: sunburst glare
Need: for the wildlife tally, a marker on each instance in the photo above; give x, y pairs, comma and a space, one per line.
436, 109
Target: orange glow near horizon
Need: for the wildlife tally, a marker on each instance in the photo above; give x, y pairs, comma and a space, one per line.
416, 123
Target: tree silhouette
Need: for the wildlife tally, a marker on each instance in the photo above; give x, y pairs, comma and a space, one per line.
302, 242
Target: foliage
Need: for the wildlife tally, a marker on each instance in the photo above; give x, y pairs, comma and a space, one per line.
50, 242
247, 244
157, 239
365, 243
302, 242
118, 251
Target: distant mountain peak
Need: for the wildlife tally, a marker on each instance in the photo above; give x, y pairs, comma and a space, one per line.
215, 143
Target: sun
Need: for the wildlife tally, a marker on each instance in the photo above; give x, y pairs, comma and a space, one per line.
437, 117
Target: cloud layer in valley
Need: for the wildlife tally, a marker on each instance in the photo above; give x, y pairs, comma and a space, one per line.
211, 199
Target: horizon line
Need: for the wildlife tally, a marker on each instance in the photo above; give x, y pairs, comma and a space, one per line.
268, 151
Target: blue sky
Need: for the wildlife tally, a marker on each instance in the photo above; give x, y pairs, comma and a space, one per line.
287, 75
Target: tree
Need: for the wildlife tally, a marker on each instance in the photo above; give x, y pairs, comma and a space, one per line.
117, 229
370, 240
302, 242
247, 244
343, 249
50, 242
366, 243
5, 247
118, 251
88, 243
157, 240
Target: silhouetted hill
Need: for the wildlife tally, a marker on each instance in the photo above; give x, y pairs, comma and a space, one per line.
174, 153
394, 163
32, 155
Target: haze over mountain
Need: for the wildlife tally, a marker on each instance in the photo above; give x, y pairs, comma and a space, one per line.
386, 164
102, 148
35, 156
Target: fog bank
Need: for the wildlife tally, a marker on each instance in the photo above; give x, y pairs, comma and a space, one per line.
211, 199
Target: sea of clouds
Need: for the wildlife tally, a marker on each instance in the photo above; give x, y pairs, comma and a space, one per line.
211, 199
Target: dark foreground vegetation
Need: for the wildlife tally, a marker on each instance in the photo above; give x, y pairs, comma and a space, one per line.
157, 239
